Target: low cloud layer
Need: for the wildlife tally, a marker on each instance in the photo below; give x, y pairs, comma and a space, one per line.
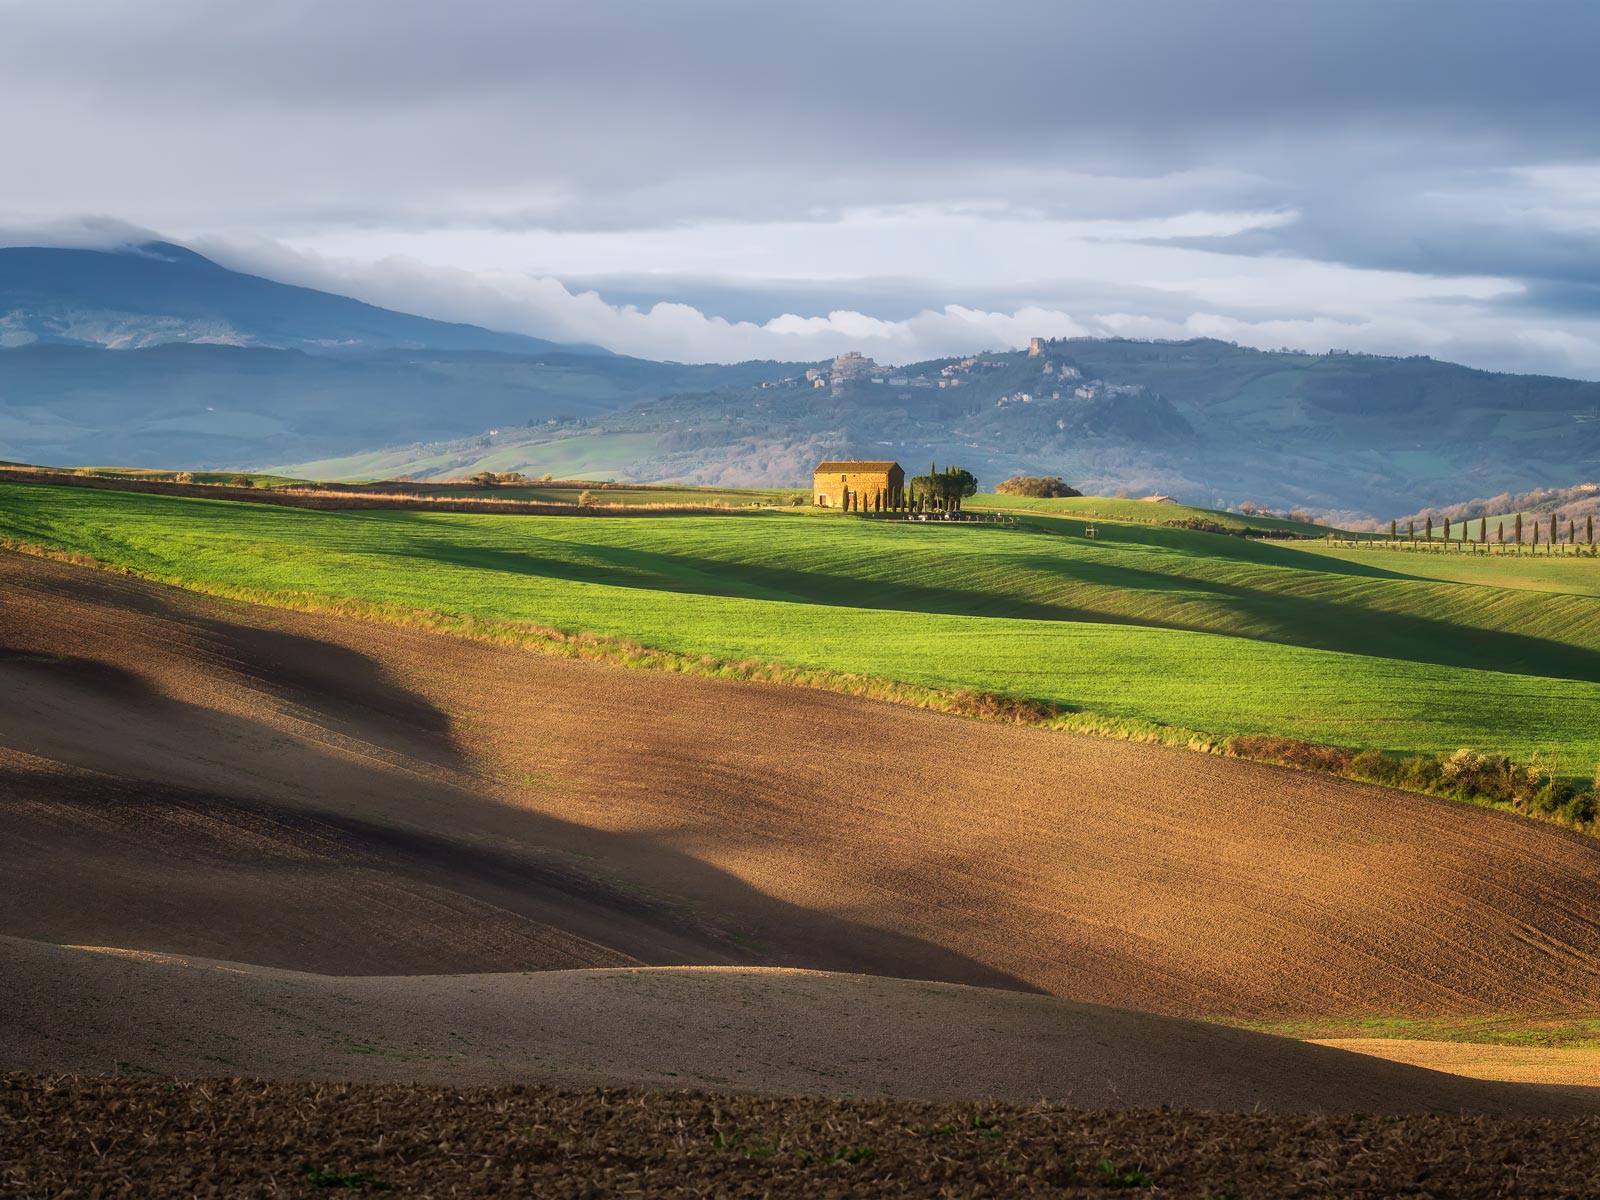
711, 179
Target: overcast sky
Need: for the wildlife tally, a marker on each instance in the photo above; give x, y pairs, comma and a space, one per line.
701, 179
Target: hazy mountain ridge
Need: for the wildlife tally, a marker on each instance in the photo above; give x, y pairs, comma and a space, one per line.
158, 293
222, 369
1204, 420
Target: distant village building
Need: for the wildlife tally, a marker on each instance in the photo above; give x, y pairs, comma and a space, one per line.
863, 479
1036, 347
851, 367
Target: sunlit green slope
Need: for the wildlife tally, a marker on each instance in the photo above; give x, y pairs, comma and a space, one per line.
1203, 631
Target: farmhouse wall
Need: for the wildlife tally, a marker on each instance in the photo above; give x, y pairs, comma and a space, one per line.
862, 478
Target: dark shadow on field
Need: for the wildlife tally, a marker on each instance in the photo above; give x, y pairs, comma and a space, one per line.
260, 867
660, 571
1208, 546
1257, 614
186, 845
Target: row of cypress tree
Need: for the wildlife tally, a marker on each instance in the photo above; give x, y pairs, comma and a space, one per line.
1552, 538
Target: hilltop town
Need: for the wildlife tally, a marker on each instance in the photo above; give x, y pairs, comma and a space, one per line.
1058, 377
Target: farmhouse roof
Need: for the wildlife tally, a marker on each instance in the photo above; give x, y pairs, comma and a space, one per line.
855, 465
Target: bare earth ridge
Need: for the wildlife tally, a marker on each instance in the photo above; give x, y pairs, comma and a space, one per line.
185, 775
729, 1028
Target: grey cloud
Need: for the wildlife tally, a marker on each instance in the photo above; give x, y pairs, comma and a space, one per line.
651, 89
1392, 128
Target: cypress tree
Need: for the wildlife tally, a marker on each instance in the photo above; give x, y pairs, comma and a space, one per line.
1502, 533
1411, 531
1447, 529
1428, 529
1519, 529
1590, 523
1554, 536
1394, 530
1572, 533
1483, 530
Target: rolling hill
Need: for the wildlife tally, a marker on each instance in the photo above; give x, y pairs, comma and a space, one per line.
1151, 630
743, 1029
312, 793
1209, 422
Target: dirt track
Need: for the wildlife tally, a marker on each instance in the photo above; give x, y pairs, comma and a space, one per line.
186, 775
730, 1028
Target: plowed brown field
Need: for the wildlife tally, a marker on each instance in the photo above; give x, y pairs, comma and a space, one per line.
726, 1028
181, 774
148, 1139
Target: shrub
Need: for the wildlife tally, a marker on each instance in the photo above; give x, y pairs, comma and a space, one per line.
1552, 798
1047, 487
1291, 752
183, 477
242, 481
1374, 766
1475, 775
1580, 810
1420, 773
586, 498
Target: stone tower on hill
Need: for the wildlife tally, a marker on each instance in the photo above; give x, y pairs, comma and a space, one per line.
850, 368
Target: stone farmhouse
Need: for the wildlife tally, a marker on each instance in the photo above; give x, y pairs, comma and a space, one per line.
862, 479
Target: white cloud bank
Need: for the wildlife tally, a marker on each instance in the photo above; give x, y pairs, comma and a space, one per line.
1118, 288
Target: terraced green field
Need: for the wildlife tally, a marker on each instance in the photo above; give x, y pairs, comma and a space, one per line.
1200, 631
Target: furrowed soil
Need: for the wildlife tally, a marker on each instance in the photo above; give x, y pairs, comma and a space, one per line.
373, 869
730, 1028
185, 775
103, 1137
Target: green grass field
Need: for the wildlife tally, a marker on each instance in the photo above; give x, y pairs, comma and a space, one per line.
559, 493
1205, 632
1141, 511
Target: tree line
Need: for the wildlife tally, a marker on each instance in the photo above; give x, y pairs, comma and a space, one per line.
1520, 534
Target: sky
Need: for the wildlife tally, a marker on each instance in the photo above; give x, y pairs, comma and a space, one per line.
705, 180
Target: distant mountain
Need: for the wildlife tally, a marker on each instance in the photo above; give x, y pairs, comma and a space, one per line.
214, 368
201, 406
158, 293
1205, 421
